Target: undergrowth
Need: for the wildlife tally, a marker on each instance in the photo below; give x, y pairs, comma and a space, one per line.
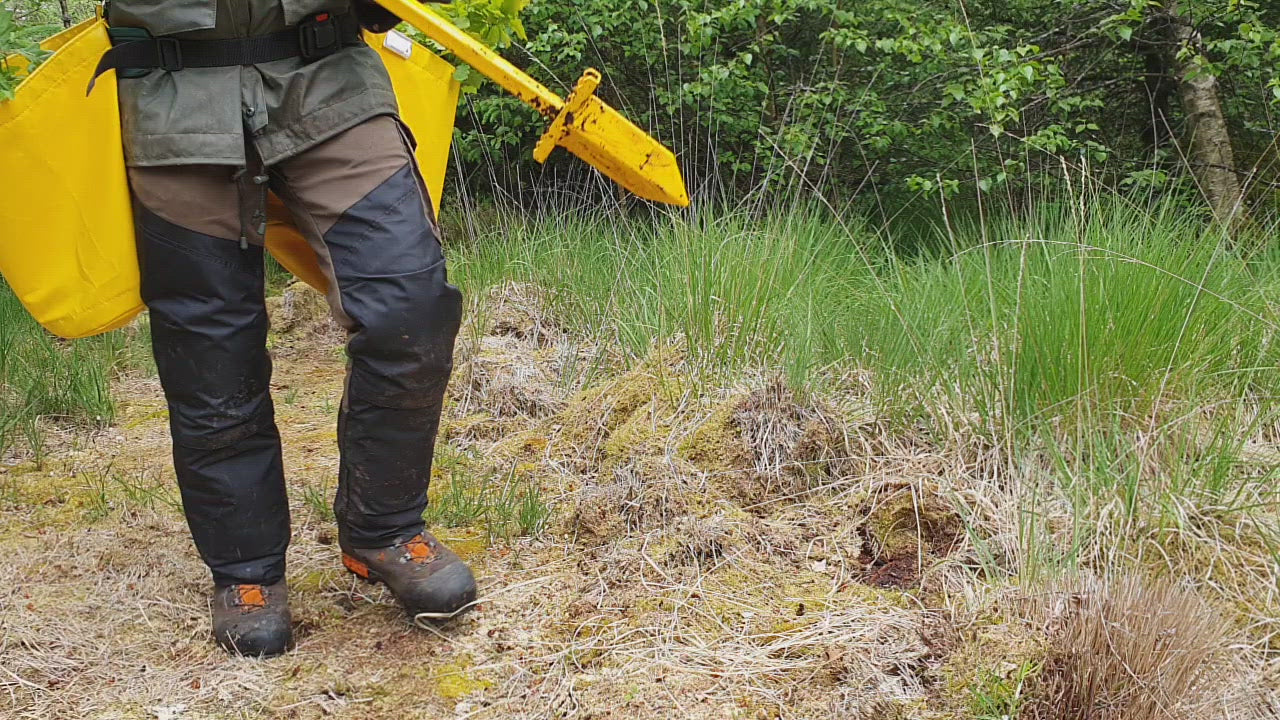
1113, 366
44, 379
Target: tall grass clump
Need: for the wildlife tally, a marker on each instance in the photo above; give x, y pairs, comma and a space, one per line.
742, 291
1134, 649
1116, 362
44, 378
1089, 316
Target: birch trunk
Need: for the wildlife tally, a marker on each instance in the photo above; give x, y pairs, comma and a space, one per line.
1209, 145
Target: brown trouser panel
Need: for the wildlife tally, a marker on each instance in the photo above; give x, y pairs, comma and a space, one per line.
360, 201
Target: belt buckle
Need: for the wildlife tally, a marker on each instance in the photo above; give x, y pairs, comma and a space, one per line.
318, 37
169, 54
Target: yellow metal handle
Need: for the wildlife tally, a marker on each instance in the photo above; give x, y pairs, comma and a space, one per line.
584, 91
584, 125
472, 52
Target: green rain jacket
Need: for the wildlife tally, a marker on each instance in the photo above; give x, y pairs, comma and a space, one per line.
205, 115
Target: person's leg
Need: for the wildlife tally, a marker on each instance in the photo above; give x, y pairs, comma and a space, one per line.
363, 206
209, 330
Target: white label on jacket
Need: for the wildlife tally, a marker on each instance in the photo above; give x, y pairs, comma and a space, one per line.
398, 44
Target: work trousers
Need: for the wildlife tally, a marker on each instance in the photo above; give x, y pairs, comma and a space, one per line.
362, 205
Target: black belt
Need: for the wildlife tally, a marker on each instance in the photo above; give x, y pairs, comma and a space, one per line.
312, 39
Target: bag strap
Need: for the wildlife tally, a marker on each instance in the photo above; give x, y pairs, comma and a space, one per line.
313, 38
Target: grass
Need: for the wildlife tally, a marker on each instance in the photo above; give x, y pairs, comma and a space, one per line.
44, 379
732, 404
1069, 315
112, 488
1113, 362
997, 697
319, 498
1118, 344
507, 507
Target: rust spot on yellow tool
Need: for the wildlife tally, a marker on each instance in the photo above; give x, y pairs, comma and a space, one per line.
584, 125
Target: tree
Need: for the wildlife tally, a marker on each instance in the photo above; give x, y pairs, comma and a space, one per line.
1209, 137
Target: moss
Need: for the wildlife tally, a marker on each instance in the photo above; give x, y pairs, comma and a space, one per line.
452, 680
1229, 558
53, 501
314, 581
909, 523
460, 684
470, 546
995, 647
477, 426
881, 597
716, 446
771, 599
642, 433
596, 412
525, 444
536, 443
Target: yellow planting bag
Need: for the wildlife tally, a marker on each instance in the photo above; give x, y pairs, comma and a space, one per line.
66, 226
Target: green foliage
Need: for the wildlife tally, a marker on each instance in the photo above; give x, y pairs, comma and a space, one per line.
999, 696
1122, 350
506, 507
496, 23
1062, 318
896, 96
319, 499
19, 50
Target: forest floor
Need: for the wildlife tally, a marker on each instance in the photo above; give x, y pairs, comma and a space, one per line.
646, 548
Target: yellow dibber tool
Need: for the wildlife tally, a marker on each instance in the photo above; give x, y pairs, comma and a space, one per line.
584, 125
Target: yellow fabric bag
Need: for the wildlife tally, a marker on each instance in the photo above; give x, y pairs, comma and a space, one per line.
66, 226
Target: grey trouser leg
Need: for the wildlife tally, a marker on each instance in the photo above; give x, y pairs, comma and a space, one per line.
361, 203
363, 206
209, 331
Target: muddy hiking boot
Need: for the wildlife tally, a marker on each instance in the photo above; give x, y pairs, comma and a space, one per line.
423, 574
253, 620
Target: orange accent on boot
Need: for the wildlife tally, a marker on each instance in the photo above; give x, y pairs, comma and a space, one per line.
355, 565
250, 597
419, 550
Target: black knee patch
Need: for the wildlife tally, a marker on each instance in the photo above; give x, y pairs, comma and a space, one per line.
394, 286
208, 330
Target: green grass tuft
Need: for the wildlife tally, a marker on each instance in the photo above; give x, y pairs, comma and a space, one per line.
44, 379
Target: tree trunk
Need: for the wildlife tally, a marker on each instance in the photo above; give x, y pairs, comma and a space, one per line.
1209, 150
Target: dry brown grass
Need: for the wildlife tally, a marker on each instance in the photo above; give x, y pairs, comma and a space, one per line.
715, 552
1136, 648
301, 321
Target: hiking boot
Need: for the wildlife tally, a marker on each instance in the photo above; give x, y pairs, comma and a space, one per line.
253, 619
423, 574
